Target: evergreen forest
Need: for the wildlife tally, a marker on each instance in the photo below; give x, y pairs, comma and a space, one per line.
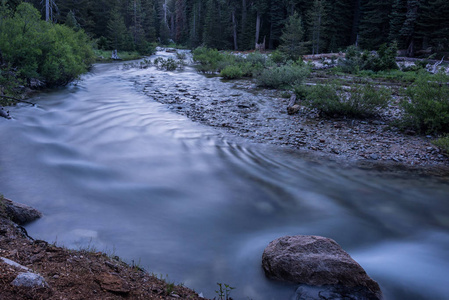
419, 27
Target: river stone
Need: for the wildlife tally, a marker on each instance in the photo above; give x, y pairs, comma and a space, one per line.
316, 261
20, 213
29, 280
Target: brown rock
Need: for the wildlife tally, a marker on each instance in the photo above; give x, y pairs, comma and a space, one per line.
291, 110
19, 213
113, 283
315, 261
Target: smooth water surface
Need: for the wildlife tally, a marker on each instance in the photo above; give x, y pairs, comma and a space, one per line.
111, 168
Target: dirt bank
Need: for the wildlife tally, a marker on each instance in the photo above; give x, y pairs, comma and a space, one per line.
70, 274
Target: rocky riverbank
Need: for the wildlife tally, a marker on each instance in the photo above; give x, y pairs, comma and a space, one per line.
51, 272
260, 115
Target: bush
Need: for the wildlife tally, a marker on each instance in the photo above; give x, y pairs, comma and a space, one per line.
278, 57
286, 75
427, 107
211, 60
169, 64
232, 72
384, 59
55, 54
443, 144
360, 101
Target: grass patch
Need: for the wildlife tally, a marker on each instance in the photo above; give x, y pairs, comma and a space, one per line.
443, 144
105, 56
359, 101
427, 105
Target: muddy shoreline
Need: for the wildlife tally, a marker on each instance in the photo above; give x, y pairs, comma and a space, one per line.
260, 115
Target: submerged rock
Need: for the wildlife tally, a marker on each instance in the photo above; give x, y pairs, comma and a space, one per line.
19, 213
318, 261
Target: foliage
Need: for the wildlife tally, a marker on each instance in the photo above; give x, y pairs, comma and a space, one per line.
169, 64
427, 109
278, 57
55, 54
292, 37
359, 101
210, 60
443, 144
232, 72
290, 74
382, 60
224, 291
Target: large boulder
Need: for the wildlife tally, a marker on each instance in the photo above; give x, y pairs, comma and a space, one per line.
316, 261
19, 213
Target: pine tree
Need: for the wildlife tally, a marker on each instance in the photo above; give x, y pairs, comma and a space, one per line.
217, 25
317, 21
397, 19
71, 21
292, 37
117, 32
374, 24
339, 24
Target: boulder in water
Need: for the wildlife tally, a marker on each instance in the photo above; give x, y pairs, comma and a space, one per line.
318, 261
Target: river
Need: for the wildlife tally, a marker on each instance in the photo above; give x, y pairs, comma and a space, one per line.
114, 170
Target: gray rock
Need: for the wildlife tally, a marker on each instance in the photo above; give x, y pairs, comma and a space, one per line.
20, 213
29, 280
316, 261
13, 264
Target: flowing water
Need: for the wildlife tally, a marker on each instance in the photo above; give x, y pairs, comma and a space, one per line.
113, 169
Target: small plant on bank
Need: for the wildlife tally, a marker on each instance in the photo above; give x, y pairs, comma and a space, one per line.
169, 64
290, 74
427, 107
224, 291
443, 144
360, 101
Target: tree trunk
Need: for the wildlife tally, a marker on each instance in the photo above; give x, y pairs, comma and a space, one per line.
243, 16
47, 10
257, 28
234, 25
355, 22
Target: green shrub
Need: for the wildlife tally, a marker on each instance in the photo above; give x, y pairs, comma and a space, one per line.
55, 54
427, 106
169, 64
278, 57
210, 60
286, 75
360, 101
443, 144
232, 72
383, 59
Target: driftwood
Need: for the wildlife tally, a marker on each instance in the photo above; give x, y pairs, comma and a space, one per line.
18, 100
433, 69
292, 107
261, 47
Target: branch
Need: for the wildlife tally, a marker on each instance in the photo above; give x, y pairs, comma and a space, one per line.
18, 100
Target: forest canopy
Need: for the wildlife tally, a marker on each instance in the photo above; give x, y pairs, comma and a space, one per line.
419, 27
